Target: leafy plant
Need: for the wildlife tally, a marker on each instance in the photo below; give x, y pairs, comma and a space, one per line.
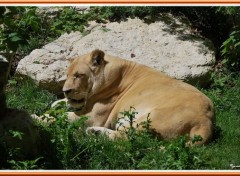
24, 165
16, 134
231, 49
69, 19
19, 24
19, 27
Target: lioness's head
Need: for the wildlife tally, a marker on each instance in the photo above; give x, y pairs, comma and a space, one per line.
84, 77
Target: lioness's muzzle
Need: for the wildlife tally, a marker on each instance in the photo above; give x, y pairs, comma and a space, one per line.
80, 101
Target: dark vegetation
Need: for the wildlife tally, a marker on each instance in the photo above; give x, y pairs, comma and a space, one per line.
66, 146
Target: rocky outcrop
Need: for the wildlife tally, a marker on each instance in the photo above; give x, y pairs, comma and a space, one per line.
16, 121
170, 47
47, 66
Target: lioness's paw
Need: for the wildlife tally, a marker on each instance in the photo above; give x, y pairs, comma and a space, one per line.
97, 130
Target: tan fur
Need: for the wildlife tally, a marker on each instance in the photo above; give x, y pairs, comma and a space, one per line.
110, 85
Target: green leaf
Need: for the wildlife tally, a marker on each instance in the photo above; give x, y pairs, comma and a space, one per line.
12, 82
237, 44
15, 39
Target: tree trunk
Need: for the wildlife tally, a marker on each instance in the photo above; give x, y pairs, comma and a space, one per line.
4, 67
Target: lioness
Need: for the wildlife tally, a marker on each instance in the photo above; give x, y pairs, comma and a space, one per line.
101, 86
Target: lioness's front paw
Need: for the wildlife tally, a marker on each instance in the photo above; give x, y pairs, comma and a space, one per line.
96, 130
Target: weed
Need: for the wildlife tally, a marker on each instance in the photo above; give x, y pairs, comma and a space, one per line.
104, 29
24, 165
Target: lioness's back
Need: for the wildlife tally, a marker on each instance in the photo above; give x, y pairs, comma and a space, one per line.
175, 107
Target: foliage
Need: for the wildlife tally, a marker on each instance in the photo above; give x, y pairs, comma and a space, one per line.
24, 165
22, 29
231, 49
67, 146
68, 20
19, 26
117, 13
62, 134
228, 10
12, 157
226, 101
27, 95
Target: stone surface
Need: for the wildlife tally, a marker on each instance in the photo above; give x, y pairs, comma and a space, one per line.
47, 65
167, 45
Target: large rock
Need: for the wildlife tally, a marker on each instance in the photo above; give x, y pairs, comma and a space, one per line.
17, 121
47, 65
169, 47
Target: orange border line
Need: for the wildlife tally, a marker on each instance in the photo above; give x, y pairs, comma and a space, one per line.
128, 173
120, 173
180, 173
120, 2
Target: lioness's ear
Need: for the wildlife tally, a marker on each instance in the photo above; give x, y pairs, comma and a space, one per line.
97, 57
71, 60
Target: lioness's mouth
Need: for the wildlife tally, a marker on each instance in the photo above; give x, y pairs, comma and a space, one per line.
75, 101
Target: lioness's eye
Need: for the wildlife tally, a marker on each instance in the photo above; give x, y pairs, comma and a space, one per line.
78, 75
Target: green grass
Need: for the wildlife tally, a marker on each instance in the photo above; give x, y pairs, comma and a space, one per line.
224, 151
67, 147
28, 96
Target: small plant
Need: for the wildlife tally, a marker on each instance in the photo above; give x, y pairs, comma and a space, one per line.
16, 134
230, 49
104, 29
129, 116
132, 131
24, 165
